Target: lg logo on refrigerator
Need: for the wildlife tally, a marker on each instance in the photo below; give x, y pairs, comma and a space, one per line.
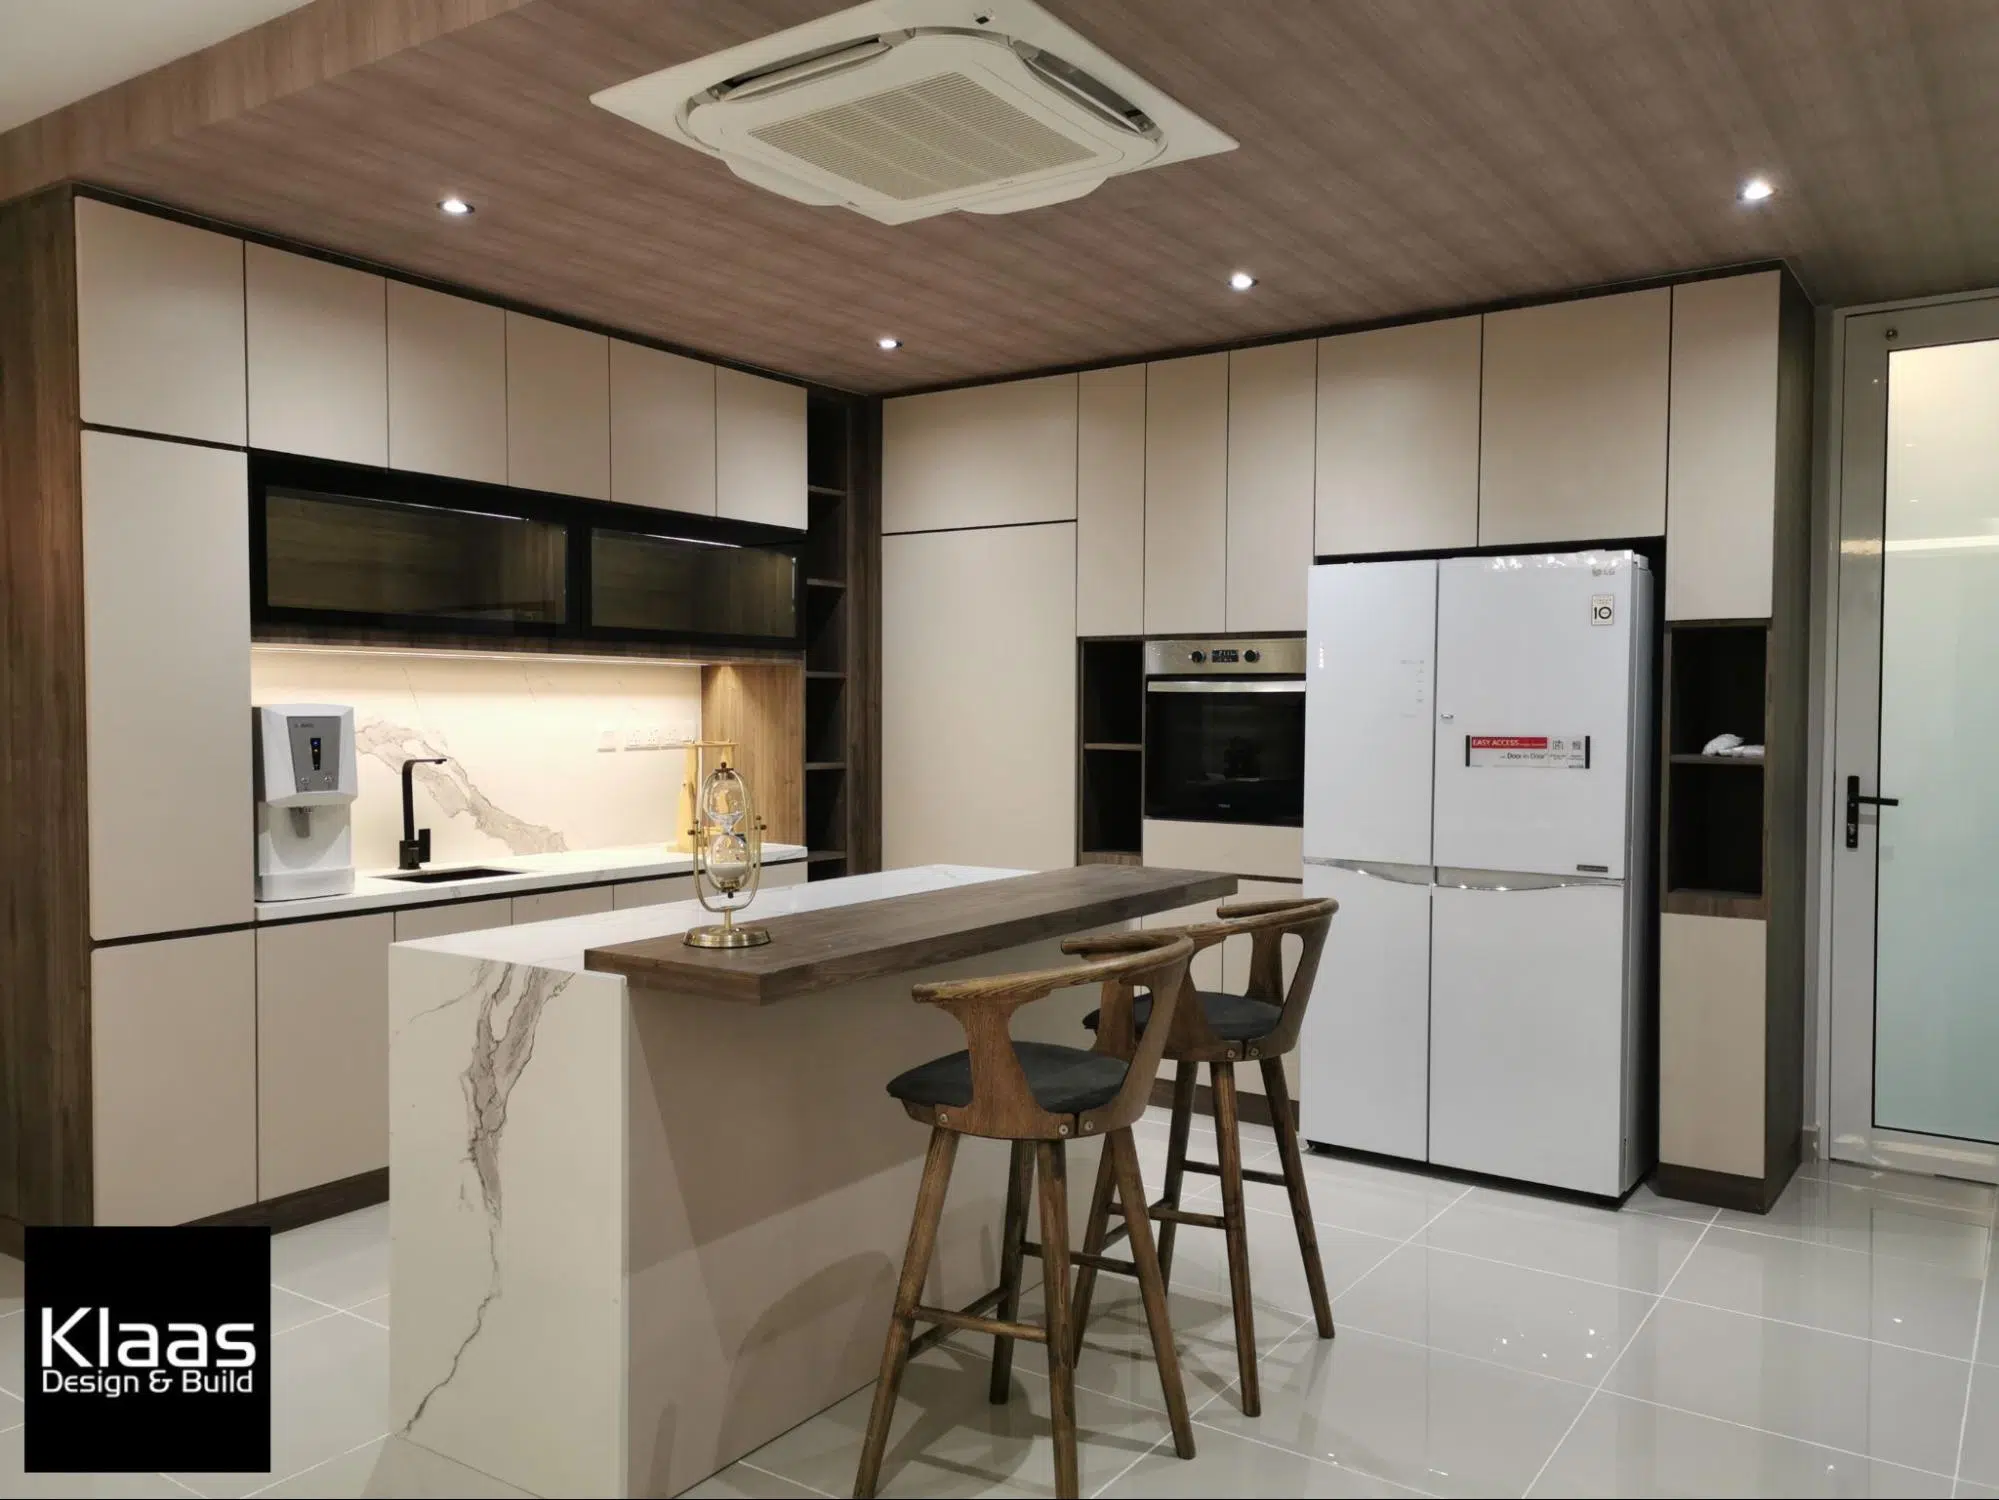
1603, 609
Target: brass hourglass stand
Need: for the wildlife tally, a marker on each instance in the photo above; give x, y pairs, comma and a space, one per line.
728, 859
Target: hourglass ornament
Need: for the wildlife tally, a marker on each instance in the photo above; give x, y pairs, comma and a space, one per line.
728, 859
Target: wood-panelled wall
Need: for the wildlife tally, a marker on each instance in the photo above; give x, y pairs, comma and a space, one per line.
45, 1114
864, 644
762, 708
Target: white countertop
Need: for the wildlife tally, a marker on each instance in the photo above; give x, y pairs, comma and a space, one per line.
374, 891
560, 944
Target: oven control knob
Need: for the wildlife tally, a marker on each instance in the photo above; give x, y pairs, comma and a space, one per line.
1197, 656
1252, 655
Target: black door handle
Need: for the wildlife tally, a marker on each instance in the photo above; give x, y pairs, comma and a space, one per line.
1854, 799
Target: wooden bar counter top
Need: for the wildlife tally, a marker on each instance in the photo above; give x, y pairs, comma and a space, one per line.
817, 950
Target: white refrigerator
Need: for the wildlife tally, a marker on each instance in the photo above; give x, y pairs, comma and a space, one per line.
1478, 741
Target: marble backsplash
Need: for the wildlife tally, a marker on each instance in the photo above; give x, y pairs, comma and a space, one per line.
525, 774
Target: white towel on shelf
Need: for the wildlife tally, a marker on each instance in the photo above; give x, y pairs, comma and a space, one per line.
1721, 744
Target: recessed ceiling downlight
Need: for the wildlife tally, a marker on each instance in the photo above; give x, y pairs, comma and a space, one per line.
1242, 281
456, 207
1756, 189
888, 341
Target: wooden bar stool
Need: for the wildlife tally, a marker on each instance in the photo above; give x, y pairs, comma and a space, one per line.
1040, 1097
1220, 1030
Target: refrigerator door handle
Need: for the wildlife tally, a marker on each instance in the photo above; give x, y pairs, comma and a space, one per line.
1515, 880
1379, 869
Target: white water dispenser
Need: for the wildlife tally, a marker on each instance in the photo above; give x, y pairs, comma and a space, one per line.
306, 785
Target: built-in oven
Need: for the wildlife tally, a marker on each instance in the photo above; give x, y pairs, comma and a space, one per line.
1225, 730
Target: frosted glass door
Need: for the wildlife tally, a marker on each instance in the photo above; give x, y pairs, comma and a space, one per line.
1936, 1010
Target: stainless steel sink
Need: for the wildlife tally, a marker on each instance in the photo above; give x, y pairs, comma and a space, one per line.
441, 877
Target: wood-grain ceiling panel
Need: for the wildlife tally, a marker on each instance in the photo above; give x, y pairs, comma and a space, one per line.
1395, 159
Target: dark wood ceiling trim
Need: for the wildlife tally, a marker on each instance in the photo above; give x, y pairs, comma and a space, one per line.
283, 56
1543, 299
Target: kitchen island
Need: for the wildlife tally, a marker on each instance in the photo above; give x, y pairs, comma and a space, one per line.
649, 1203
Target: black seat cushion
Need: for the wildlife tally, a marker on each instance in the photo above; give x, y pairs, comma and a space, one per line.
1065, 1080
1233, 1018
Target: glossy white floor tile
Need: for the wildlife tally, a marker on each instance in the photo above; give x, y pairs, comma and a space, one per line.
1826, 1388
1638, 1251
1488, 1341
1529, 1320
1908, 1302
1625, 1447
1979, 1462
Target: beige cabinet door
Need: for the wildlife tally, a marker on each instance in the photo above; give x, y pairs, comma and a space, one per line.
173, 1078
322, 1051
979, 697
558, 408
1110, 501
1273, 423
159, 309
166, 597
317, 337
662, 430
759, 449
447, 385
548, 906
792, 872
1712, 978
988, 455
1398, 438
449, 921
1186, 494
1573, 437
668, 888
1721, 462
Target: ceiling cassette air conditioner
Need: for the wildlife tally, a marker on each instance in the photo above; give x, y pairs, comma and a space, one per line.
901, 109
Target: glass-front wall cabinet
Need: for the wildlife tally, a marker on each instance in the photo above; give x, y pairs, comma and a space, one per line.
340, 548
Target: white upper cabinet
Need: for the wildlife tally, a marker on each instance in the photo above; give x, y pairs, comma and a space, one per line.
1573, 446
989, 455
447, 385
317, 335
1110, 501
1186, 494
159, 325
1272, 422
662, 430
558, 408
166, 593
1398, 439
759, 449
1721, 468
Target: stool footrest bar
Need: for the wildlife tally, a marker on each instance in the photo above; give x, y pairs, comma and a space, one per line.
1181, 1216
1257, 1174
1205, 1168
936, 1335
975, 1323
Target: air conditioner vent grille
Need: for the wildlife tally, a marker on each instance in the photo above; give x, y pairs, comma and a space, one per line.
941, 134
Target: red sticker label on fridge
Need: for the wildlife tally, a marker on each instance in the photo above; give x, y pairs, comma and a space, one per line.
1562, 752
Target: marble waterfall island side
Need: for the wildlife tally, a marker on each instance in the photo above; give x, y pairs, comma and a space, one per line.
648, 1203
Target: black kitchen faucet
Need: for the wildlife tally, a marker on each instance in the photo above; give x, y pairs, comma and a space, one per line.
414, 850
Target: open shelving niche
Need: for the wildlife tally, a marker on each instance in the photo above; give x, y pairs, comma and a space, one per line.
1716, 836
1110, 765
830, 695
